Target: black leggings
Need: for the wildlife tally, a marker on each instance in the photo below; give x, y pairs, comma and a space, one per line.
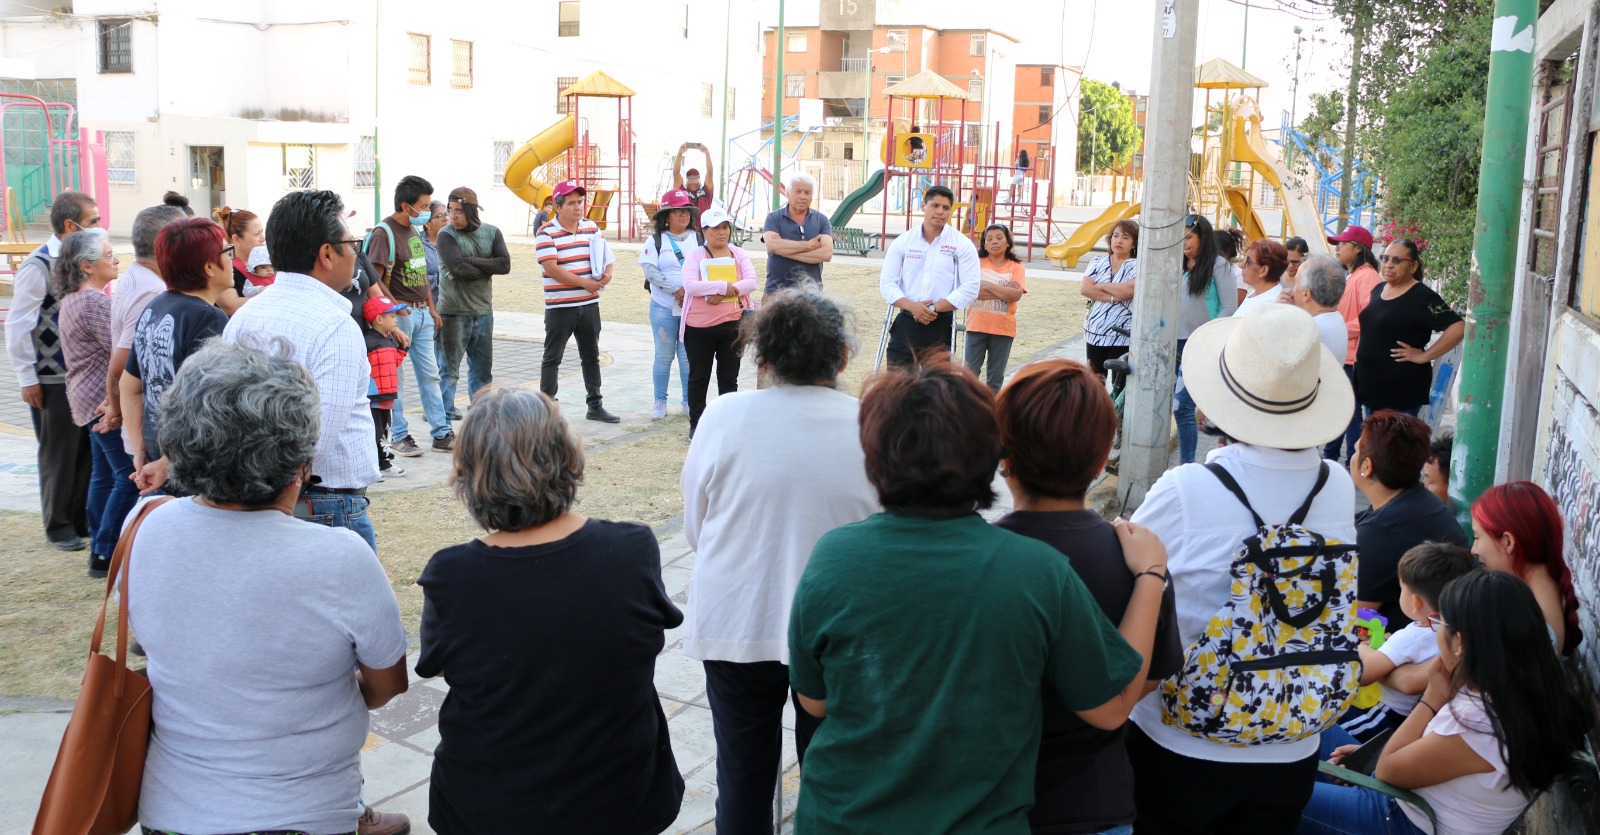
719, 343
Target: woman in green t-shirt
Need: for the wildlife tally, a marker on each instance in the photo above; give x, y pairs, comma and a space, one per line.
926, 636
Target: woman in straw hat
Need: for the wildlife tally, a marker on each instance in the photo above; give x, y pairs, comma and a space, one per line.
662, 262
1267, 385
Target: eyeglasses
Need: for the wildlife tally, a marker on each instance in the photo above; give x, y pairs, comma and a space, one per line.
228, 251
1248, 261
354, 243
1394, 259
1436, 622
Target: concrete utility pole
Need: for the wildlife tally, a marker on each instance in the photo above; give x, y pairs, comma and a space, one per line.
1494, 247
777, 115
1347, 179
1147, 425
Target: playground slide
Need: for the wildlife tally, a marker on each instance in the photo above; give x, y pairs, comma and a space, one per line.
1083, 239
1239, 202
856, 199
547, 145
1304, 219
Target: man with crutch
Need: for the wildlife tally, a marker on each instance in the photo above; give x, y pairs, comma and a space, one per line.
928, 273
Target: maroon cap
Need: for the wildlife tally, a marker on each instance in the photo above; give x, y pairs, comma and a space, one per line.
566, 187
1354, 234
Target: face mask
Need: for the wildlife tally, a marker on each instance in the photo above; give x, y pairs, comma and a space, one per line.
422, 219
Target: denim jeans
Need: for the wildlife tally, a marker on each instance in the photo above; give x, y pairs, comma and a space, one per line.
425, 364
998, 351
111, 491
1353, 810
1183, 413
472, 337
337, 510
668, 347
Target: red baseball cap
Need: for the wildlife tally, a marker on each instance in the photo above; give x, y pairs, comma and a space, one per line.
1354, 234
379, 305
566, 187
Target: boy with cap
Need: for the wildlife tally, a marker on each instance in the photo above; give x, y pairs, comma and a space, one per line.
385, 356
471, 254
577, 265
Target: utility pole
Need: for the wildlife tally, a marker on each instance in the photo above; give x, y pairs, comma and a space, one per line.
1494, 246
1244, 48
727, 98
777, 111
1358, 34
1147, 425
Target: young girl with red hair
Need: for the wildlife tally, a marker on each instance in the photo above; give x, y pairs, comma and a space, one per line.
1516, 528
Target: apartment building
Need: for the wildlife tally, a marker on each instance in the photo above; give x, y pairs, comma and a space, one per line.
1135, 165
1045, 118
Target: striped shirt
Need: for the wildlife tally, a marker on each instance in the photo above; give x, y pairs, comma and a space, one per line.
1103, 316
572, 251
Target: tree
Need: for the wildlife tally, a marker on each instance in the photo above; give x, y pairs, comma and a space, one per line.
1106, 128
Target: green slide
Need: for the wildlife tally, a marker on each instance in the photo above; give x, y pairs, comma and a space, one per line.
853, 202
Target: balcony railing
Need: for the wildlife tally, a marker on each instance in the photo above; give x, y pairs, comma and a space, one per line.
854, 64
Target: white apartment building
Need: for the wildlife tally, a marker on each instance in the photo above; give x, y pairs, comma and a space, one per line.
239, 103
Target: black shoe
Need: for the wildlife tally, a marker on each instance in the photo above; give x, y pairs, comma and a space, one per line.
71, 543
452, 415
599, 413
445, 444
98, 566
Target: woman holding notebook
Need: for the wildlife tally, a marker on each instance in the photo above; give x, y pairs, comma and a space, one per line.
717, 280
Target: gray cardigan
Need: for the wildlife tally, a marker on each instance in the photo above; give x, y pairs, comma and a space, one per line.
1192, 312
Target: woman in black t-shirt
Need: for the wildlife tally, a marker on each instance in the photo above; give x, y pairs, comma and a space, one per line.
1393, 360
547, 631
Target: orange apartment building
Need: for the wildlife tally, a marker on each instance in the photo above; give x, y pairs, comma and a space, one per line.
1135, 166
1044, 115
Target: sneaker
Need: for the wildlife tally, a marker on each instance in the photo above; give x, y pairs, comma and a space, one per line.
445, 444
452, 415
71, 543
659, 410
600, 414
374, 822
386, 473
98, 566
407, 447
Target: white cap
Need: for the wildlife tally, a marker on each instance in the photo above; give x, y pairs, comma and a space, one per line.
258, 256
714, 216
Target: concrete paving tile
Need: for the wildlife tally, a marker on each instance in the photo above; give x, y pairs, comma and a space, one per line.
391, 769
693, 745
408, 713
30, 742
679, 677
699, 808
427, 739
676, 580
412, 804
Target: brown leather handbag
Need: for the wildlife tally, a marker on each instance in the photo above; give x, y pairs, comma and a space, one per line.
94, 786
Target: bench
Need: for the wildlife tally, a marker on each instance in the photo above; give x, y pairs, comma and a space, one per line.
853, 240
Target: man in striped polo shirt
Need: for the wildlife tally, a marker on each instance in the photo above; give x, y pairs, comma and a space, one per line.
577, 266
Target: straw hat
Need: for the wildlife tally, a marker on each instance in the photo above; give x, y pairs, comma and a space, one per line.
1265, 378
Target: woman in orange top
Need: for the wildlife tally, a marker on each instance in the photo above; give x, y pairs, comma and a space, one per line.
992, 319
1353, 248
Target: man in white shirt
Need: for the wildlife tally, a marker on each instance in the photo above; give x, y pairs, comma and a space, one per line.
33, 341
1319, 285
928, 273
140, 283
315, 256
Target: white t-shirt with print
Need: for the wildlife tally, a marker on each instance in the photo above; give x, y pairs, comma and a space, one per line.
1412, 645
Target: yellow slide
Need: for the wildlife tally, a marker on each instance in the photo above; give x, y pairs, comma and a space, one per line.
1304, 219
549, 144
1239, 202
1083, 239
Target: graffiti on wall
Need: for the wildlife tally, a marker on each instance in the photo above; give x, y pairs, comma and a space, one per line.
1570, 468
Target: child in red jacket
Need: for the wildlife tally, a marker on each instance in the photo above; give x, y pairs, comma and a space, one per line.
386, 357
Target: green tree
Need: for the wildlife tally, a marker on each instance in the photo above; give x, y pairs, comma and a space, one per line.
1106, 128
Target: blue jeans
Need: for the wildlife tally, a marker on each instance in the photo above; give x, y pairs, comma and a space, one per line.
1352, 810
419, 327
112, 492
337, 510
665, 327
1125, 829
472, 337
1183, 413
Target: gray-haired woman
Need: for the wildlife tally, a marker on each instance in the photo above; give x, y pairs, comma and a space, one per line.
82, 271
753, 512
563, 733
268, 639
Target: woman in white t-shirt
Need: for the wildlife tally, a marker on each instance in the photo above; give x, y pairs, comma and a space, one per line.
1264, 263
1498, 723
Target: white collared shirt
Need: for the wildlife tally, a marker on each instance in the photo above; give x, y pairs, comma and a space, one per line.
316, 321
918, 270
1202, 524
28, 289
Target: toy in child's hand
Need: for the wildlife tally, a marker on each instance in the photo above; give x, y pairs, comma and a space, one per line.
1370, 627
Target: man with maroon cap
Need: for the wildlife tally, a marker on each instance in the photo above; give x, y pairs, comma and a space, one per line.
577, 265
700, 194
1353, 248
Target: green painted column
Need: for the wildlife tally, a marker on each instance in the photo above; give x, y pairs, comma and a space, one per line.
1494, 247
777, 111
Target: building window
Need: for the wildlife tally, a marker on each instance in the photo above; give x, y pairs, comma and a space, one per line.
299, 166
975, 89
567, 27
794, 42
896, 40
707, 100
461, 64
116, 45
1045, 113
849, 150
1047, 76
562, 83
730, 101
502, 157
1138, 161
891, 80
974, 136
421, 57
794, 85
120, 157
1140, 107
976, 47
367, 162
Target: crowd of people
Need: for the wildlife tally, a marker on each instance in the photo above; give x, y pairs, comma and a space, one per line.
1184, 671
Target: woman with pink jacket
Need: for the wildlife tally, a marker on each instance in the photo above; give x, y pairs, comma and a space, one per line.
712, 311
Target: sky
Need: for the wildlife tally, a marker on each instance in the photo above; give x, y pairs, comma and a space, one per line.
1112, 39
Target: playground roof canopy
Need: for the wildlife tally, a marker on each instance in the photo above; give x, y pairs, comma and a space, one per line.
927, 85
1218, 74
599, 85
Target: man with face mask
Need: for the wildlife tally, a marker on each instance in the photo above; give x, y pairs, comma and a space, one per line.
471, 254
396, 250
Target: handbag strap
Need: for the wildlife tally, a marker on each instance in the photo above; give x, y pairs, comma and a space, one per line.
118, 573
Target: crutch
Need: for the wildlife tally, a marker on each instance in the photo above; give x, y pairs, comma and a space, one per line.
883, 340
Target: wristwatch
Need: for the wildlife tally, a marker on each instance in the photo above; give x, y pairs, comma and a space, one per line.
1166, 577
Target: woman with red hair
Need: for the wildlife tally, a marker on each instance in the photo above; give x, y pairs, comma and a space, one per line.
1516, 528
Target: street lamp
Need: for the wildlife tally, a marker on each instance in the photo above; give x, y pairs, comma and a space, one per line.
1294, 101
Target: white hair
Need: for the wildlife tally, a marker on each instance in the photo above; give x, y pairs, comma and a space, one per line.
806, 179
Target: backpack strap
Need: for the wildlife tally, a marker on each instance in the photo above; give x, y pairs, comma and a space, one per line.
1238, 492
1299, 516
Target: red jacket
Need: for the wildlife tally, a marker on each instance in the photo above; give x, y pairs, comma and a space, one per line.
385, 361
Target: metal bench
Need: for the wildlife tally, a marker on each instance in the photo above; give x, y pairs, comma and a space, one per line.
857, 241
